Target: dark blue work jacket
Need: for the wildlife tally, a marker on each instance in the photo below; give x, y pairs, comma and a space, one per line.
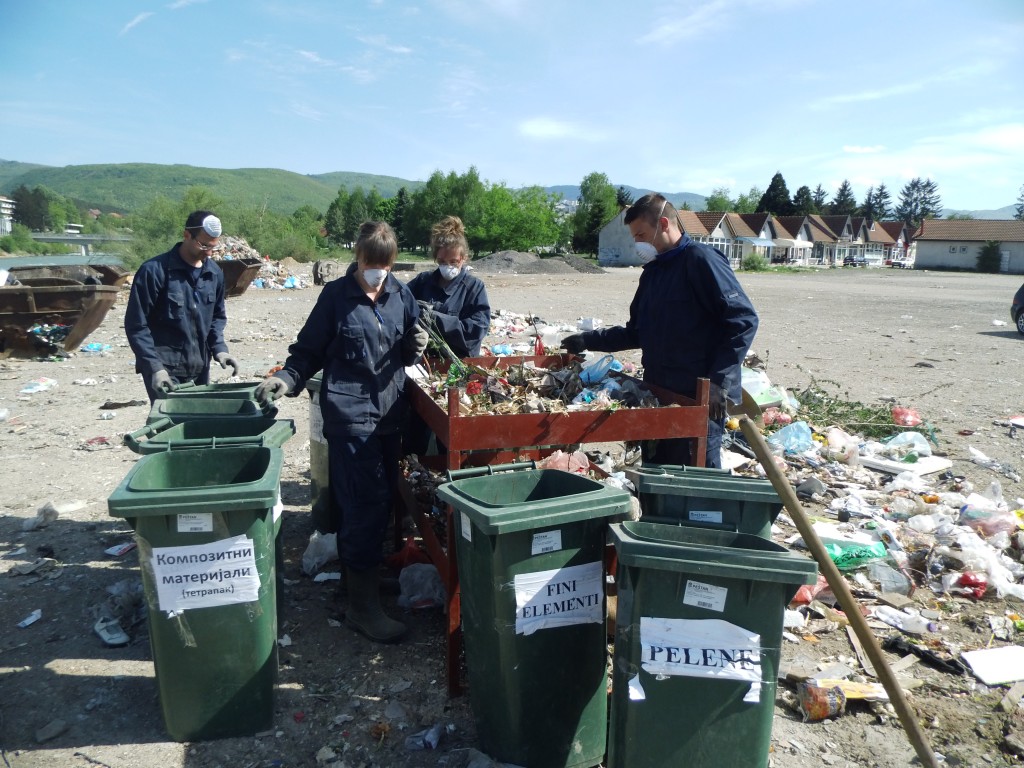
462, 312
690, 318
172, 324
358, 344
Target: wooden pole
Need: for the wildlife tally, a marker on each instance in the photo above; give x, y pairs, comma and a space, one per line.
842, 592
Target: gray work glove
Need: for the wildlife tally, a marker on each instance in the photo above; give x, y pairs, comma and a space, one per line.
426, 313
161, 381
270, 389
414, 343
225, 360
574, 344
718, 403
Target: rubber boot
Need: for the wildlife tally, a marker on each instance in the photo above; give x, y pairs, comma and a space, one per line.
365, 614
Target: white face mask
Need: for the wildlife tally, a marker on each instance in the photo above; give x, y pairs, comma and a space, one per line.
449, 271
375, 277
648, 251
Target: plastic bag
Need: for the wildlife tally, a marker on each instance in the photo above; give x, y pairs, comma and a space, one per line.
596, 371
909, 442
906, 417
322, 549
794, 438
850, 556
421, 587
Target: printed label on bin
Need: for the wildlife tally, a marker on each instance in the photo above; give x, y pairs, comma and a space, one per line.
278, 506
206, 575
467, 527
549, 541
706, 516
705, 596
710, 648
559, 598
195, 522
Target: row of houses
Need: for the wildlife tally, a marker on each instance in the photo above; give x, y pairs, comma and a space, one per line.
831, 241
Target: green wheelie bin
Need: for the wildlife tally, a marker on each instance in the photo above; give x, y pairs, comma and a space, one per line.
530, 550
237, 390
697, 645
165, 435
179, 409
707, 499
204, 522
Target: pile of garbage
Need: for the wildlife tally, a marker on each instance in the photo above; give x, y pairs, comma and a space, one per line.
565, 387
280, 275
231, 247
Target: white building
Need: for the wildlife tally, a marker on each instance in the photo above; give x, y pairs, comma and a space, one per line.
6, 215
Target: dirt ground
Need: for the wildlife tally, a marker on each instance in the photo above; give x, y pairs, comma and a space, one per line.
924, 340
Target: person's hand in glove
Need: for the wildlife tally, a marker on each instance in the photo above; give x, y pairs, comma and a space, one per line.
426, 313
270, 389
574, 344
718, 403
225, 360
161, 381
414, 343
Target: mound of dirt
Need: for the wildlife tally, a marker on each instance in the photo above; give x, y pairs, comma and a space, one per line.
520, 263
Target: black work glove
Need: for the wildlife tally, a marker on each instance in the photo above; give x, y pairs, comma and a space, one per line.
271, 389
426, 313
161, 381
226, 360
718, 403
574, 344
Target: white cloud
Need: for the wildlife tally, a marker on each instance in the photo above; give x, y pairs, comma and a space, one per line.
550, 129
179, 4
381, 41
306, 111
680, 26
135, 22
855, 150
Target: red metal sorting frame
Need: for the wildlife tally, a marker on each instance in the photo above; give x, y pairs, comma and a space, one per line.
502, 438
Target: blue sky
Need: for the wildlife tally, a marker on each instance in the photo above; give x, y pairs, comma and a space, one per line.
674, 96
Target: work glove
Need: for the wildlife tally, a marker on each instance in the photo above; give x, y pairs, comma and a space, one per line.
574, 344
161, 381
718, 403
414, 343
271, 389
426, 313
225, 360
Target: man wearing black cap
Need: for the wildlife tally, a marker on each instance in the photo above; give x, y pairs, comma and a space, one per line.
176, 316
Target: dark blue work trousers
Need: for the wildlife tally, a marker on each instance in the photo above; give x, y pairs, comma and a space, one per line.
363, 474
677, 450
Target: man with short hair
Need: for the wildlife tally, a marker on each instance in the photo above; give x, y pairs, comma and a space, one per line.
176, 316
689, 317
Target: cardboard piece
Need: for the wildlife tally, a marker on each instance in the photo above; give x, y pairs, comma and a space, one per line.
925, 465
995, 666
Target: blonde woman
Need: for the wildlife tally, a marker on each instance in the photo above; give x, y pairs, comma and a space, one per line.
455, 300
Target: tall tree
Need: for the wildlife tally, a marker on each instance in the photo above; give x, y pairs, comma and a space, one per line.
803, 202
718, 201
747, 203
776, 199
397, 220
883, 203
31, 208
334, 220
356, 212
623, 199
1019, 215
596, 206
919, 200
820, 197
844, 203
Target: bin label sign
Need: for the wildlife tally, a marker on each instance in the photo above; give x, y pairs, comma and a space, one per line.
549, 541
559, 598
703, 595
206, 575
710, 648
467, 526
706, 516
195, 522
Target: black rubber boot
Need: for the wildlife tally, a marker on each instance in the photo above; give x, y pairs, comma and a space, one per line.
365, 614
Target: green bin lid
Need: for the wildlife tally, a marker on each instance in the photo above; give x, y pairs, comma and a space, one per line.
707, 486
229, 389
180, 409
533, 498
700, 551
199, 480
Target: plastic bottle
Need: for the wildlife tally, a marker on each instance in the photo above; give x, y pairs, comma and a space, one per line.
930, 523
907, 622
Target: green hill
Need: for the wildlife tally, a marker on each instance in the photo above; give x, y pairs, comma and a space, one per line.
131, 186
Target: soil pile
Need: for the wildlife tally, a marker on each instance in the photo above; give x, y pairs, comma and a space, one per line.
520, 263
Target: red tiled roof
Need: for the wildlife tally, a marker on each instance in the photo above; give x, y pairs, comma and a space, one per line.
895, 229
692, 223
835, 224
710, 219
972, 230
739, 227
755, 221
791, 225
820, 232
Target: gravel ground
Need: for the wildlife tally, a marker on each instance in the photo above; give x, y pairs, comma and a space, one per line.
919, 339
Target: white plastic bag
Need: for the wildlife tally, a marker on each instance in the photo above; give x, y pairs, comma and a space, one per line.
322, 549
421, 587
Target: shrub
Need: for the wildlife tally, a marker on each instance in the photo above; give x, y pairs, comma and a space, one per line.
754, 262
989, 257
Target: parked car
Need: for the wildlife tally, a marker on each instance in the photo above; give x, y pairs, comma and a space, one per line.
855, 261
1017, 309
